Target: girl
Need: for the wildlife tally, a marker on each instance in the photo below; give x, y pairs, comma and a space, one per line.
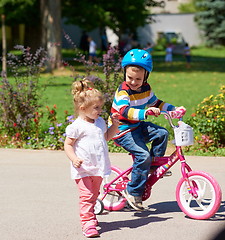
86, 147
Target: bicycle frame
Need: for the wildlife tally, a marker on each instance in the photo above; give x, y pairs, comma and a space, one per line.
163, 165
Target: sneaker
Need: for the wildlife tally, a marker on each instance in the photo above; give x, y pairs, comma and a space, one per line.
134, 201
91, 232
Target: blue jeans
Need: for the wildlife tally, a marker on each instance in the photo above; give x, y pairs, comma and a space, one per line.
135, 143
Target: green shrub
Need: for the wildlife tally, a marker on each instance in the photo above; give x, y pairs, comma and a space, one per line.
20, 96
208, 122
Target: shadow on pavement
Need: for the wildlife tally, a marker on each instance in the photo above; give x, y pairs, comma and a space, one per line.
132, 223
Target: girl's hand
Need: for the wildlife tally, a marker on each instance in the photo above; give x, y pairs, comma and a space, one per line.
77, 162
154, 110
115, 119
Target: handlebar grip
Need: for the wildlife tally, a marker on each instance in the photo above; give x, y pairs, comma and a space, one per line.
177, 113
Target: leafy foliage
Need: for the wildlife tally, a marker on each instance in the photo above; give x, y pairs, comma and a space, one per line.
20, 98
122, 16
22, 123
189, 7
211, 20
111, 68
209, 122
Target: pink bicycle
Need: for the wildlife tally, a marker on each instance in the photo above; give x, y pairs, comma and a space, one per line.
197, 193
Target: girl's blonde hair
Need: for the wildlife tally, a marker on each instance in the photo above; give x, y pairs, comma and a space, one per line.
84, 94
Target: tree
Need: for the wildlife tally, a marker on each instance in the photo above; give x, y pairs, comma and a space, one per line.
211, 20
42, 20
51, 31
25, 12
189, 7
123, 16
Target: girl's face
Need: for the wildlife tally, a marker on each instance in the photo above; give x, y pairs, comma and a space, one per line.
134, 78
92, 112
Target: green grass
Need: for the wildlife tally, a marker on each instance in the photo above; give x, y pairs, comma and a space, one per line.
174, 83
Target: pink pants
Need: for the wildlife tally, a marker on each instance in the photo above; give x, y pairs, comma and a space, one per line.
89, 191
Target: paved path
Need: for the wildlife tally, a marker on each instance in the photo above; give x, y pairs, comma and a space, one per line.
39, 201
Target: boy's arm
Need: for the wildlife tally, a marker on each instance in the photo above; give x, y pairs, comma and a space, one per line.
157, 103
121, 105
68, 147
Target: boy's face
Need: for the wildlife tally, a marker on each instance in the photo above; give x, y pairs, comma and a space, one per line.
135, 77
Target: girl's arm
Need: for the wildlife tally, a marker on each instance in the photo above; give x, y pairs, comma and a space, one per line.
68, 147
112, 130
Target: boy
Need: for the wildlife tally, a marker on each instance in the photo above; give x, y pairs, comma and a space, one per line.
130, 100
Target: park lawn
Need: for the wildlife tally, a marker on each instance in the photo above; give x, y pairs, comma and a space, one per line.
172, 83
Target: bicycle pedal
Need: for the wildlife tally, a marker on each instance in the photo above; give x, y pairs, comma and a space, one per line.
168, 174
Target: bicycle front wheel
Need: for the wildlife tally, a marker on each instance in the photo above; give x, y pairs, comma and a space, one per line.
113, 201
208, 199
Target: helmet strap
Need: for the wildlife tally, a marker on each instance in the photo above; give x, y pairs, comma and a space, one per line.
146, 76
124, 74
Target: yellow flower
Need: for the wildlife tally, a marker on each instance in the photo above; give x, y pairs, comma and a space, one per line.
209, 121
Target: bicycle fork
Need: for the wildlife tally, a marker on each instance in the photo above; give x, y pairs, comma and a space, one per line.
185, 168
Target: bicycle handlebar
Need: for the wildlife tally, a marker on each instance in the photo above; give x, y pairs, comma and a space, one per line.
170, 115
169, 118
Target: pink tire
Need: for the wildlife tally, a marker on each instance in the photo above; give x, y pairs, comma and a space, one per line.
209, 196
114, 201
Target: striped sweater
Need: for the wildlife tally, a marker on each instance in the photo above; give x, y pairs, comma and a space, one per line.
131, 105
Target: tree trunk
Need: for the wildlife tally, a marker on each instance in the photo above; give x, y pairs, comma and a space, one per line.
32, 37
51, 31
4, 50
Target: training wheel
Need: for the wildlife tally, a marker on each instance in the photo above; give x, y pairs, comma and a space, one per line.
99, 207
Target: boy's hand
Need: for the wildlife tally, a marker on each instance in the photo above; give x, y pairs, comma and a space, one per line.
77, 162
155, 111
115, 119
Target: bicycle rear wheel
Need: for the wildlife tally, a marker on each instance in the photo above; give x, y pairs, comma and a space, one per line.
208, 201
114, 201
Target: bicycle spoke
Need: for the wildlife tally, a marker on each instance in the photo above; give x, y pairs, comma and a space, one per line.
200, 205
189, 200
201, 188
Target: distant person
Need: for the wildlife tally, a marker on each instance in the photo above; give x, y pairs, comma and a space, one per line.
104, 41
169, 53
92, 50
187, 54
84, 44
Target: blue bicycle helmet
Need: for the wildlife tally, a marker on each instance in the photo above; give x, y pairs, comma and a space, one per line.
138, 57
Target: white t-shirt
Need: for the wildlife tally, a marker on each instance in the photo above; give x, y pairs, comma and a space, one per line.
92, 47
91, 147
